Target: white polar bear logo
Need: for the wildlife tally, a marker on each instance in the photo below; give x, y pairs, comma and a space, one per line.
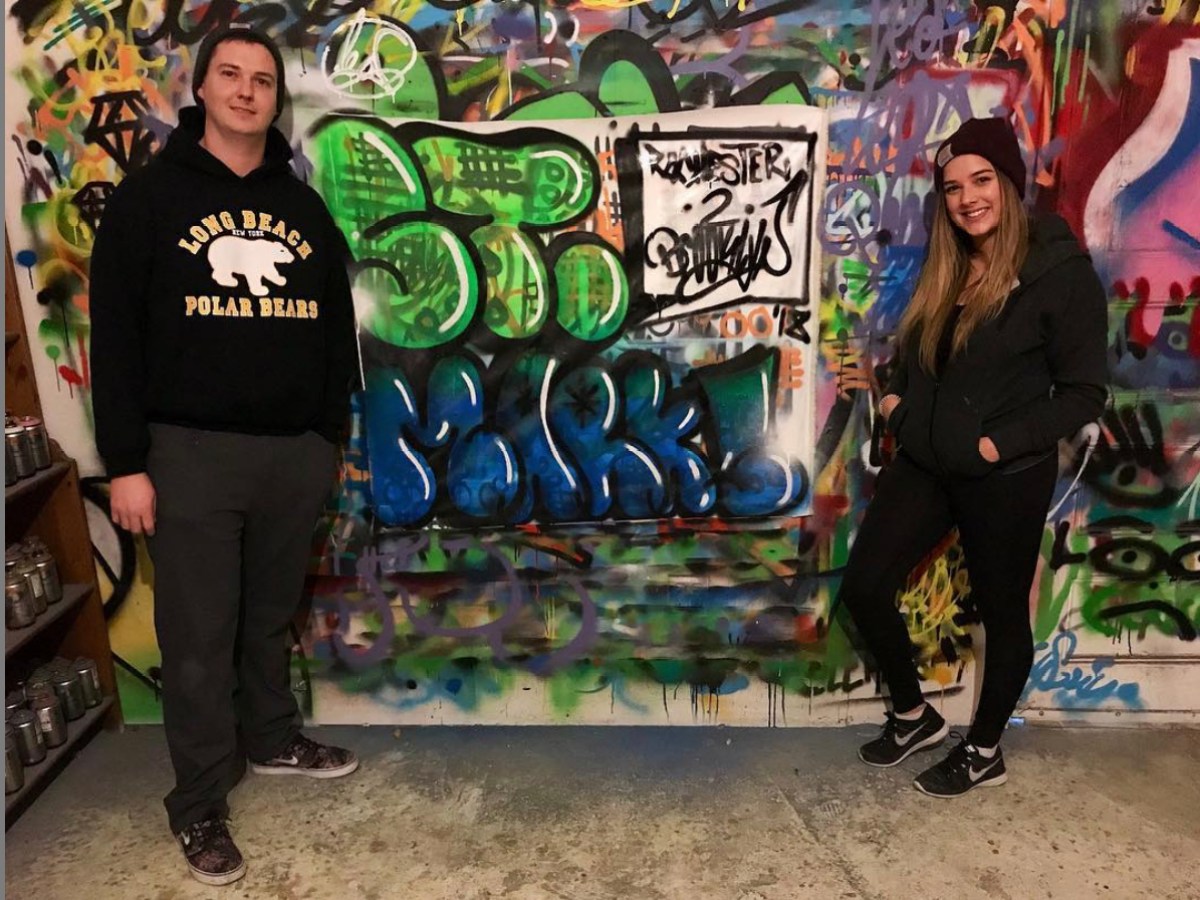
254, 259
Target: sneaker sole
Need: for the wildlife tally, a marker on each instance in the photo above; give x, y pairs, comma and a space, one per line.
218, 880
929, 743
307, 773
989, 782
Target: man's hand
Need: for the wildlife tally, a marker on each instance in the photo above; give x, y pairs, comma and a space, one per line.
132, 500
887, 404
988, 450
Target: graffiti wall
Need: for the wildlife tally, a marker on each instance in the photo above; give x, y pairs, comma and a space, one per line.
612, 260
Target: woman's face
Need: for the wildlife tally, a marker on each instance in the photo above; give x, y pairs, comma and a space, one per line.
971, 188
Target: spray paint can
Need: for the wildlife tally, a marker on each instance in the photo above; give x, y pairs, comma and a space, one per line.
50, 717
16, 441
39, 441
32, 544
13, 554
19, 609
38, 678
13, 701
48, 570
38, 691
89, 681
30, 744
14, 772
70, 694
27, 570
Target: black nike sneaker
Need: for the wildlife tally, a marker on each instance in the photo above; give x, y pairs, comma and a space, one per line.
901, 738
963, 769
212, 856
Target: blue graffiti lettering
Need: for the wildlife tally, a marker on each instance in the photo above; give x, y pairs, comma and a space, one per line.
578, 443
1073, 686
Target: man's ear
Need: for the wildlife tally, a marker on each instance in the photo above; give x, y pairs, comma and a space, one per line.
200, 92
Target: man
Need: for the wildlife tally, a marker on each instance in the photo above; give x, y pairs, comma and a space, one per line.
223, 354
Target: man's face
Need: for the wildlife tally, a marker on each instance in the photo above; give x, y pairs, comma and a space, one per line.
239, 88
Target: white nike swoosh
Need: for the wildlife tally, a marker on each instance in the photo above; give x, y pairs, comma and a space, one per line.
287, 761
975, 776
903, 741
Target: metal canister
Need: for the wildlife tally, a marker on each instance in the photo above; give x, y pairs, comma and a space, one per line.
38, 685
30, 742
70, 694
19, 608
39, 441
89, 680
48, 570
13, 554
56, 667
16, 440
14, 772
29, 571
50, 717
13, 701
10, 466
32, 545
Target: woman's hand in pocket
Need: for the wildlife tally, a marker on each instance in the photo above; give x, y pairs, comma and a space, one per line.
887, 405
988, 450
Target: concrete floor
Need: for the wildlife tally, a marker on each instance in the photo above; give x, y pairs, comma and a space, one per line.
593, 814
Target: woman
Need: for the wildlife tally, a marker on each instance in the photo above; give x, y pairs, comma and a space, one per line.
1002, 352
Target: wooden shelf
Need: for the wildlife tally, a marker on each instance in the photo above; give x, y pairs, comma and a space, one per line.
15, 639
49, 504
35, 481
77, 732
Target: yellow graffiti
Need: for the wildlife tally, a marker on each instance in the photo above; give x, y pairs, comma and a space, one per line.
124, 70
502, 94
400, 10
1172, 8
989, 33
929, 606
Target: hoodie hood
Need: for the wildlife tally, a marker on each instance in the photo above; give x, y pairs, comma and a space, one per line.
183, 148
1051, 243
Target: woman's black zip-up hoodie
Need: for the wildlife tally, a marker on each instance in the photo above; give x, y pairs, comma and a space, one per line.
1035, 373
217, 302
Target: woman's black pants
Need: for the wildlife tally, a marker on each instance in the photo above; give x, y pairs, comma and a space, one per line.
1000, 519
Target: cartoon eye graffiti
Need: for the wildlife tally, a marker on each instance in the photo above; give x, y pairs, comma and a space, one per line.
1185, 562
1130, 467
1129, 558
1175, 341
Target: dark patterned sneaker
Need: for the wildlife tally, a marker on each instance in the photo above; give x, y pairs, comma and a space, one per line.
306, 757
211, 853
901, 739
963, 769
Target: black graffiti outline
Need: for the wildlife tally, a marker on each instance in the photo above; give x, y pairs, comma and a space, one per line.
1187, 631
1106, 548
1132, 436
109, 126
627, 152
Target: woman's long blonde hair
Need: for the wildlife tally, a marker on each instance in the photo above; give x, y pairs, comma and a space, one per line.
943, 279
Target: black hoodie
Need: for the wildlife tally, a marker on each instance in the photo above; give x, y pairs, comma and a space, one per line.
217, 302
1035, 373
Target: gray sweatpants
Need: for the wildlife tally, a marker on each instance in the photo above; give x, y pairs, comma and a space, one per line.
234, 530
